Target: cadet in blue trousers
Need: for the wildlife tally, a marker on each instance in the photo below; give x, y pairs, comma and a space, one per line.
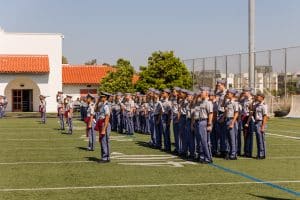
260, 113
230, 118
105, 128
91, 122
166, 113
175, 117
202, 120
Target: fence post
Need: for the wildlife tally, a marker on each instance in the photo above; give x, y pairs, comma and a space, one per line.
285, 75
193, 74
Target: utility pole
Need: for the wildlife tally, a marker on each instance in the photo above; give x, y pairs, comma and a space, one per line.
251, 34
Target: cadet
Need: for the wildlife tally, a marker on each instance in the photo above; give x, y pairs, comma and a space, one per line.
157, 111
175, 117
1, 106
231, 116
238, 97
188, 129
129, 108
213, 134
105, 128
261, 117
90, 122
151, 119
42, 109
166, 112
69, 113
183, 137
202, 120
220, 126
248, 124
83, 108
118, 110
114, 117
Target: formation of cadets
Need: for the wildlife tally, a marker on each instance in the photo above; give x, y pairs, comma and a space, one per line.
3, 105
205, 124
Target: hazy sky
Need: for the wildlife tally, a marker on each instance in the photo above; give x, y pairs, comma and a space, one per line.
110, 29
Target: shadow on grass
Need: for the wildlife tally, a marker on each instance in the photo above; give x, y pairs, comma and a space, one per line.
268, 197
93, 159
82, 148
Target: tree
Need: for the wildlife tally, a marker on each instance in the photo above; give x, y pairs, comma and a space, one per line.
64, 60
164, 70
91, 62
119, 80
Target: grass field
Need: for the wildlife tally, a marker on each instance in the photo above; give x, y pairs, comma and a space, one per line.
38, 162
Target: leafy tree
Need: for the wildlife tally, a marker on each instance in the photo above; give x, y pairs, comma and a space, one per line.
64, 60
164, 70
119, 80
91, 62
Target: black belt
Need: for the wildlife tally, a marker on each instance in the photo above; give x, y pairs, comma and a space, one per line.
201, 119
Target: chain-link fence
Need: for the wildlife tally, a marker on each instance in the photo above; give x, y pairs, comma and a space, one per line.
277, 71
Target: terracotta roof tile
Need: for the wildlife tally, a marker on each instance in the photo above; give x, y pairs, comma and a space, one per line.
84, 74
24, 64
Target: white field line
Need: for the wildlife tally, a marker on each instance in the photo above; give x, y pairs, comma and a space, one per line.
294, 132
284, 136
36, 139
131, 159
141, 186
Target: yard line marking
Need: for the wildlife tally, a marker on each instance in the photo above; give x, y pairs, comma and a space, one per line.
295, 132
46, 148
140, 186
273, 158
273, 185
285, 136
46, 162
161, 164
36, 139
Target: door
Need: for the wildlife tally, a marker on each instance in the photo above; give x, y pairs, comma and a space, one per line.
22, 101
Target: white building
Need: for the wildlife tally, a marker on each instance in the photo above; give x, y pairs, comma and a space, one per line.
31, 64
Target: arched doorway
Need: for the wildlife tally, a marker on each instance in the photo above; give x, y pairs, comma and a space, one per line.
23, 95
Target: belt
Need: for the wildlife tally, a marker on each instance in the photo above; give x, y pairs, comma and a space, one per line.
229, 118
201, 119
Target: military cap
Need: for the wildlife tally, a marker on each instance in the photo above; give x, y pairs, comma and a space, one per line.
220, 81
232, 91
207, 89
90, 96
190, 93
260, 94
212, 93
177, 88
69, 96
119, 94
157, 92
106, 94
166, 90
151, 89
246, 89
60, 92
1, 95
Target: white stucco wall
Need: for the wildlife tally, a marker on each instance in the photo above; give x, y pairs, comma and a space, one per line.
39, 44
74, 90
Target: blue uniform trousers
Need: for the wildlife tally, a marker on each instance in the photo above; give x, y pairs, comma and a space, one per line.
61, 122
129, 124
158, 131
70, 125
152, 129
203, 140
248, 137
191, 138
105, 144
260, 140
232, 138
92, 137
176, 135
183, 135
165, 125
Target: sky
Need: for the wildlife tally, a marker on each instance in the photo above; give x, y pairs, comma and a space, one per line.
133, 29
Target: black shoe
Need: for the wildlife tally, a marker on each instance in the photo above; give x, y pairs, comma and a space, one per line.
103, 161
232, 158
226, 157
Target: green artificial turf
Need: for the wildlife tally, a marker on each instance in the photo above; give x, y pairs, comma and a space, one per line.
35, 156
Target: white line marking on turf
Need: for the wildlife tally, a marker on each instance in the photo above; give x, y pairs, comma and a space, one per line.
36, 139
285, 136
140, 186
158, 159
161, 164
46, 162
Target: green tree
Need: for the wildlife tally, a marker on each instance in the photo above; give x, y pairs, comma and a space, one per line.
119, 80
164, 70
64, 60
91, 62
